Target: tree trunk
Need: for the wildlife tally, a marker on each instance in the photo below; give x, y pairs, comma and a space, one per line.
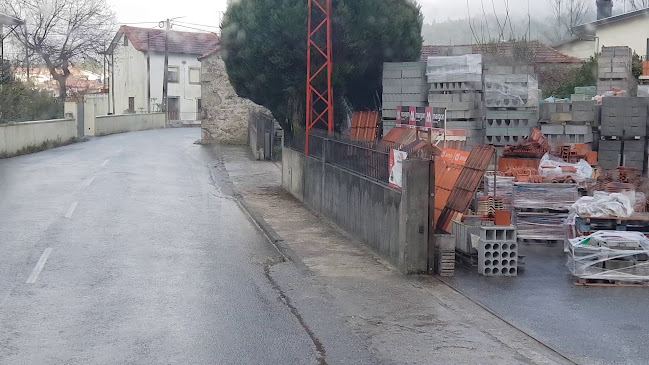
63, 89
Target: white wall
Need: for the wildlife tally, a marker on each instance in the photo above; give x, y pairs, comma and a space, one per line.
632, 32
130, 80
579, 49
186, 92
110, 124
16, 136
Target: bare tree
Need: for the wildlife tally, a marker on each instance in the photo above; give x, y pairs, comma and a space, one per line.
568, 14
638, 4
62, 32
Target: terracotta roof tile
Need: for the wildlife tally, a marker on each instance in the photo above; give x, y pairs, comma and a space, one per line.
542, 53
153, 40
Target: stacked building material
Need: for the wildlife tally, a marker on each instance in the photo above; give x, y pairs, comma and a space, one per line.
610, 258
540, 209
456, 83
569, 122
498, 251
512, 102
504, 188
615, 71
624, 130
404, 84
584, 93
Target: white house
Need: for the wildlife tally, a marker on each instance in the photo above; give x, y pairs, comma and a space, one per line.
629, 29
137, 73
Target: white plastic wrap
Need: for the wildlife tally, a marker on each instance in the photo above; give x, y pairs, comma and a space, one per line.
454, 68
603, 204
551, 166
530, 196
507, 91
610, 255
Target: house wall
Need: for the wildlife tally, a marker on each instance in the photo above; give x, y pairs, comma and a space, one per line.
187, 93
17, 136
130, 80
225, 116
632, 32
578, 48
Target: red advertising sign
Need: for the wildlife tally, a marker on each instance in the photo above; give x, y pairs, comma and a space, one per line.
454, 156
413, 116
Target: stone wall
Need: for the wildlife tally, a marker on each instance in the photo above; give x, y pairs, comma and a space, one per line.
225, 115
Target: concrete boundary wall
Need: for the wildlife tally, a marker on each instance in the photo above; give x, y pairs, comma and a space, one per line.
392, 223
17, 136
110, 124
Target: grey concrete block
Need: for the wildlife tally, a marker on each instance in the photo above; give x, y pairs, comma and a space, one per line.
391, 74
496, 132
472, 125
578, 129
579, 116
552, 129
421, 90
518, 132
389, 113
610, 146
498, 258
392, 98
392, 89
512, 114
405, 97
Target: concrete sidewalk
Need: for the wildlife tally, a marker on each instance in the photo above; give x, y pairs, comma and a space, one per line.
401, 320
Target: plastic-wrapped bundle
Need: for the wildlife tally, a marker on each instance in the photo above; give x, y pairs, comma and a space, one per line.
454, 68
610, 255
511, 91
504, 188
545, 196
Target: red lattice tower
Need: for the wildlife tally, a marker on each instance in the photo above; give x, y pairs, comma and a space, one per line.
319, 92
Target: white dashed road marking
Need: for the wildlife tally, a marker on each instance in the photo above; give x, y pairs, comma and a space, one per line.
103, 164
71, 210
39, 266
89, 181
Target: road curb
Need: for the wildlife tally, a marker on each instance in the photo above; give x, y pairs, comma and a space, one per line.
272, 236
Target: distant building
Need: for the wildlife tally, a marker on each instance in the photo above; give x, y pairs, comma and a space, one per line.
80, 81
629, 29
136, 77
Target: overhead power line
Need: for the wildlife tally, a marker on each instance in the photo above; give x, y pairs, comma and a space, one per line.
202, 30
198, 25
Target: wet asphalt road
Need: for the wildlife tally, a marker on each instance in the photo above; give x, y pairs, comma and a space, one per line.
145, 259
591, 325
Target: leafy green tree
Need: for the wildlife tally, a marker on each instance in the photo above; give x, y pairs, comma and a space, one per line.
264, 48
19, 103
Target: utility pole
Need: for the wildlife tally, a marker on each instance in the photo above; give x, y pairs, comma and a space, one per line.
165, 81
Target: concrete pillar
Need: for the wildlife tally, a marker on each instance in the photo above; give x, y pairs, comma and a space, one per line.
414, 226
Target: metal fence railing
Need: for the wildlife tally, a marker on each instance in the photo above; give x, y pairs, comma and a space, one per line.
369, 159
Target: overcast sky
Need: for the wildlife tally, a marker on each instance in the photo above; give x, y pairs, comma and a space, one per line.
207, 12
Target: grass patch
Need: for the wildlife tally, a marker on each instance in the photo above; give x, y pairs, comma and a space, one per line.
49, 144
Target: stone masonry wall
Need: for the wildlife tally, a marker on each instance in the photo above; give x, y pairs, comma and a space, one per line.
225, 115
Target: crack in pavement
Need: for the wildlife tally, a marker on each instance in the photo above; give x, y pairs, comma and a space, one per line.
320, 350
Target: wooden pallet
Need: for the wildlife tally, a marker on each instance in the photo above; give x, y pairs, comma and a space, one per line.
466, 260
541, 241
609, 283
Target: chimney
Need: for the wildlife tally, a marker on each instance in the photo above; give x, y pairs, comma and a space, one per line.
604, 9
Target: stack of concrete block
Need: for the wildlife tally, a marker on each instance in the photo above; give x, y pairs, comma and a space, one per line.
512, 102
624, 118
635, 153
498, 251
445, 255
615, 70
609, 154
584, 93
569, 122
456, 83
404, 84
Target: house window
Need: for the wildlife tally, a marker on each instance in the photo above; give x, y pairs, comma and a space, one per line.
125, 41
131, 104
194, 75
173, 74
